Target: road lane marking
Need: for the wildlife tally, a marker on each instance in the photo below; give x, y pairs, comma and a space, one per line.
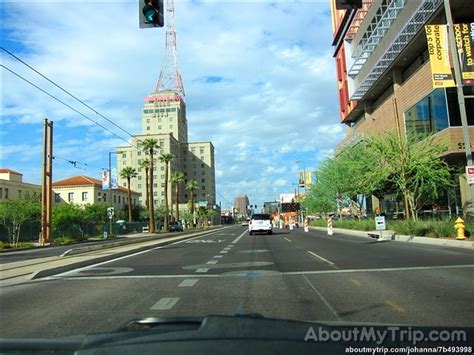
356, 282
165, 303
333, 311
218, 256
288, 273
188, 282
212, 262
202, 269
288, 239
135, 254
398, 308
224, 251
321, 258
238, 238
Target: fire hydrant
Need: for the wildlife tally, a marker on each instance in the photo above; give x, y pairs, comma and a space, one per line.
460, 227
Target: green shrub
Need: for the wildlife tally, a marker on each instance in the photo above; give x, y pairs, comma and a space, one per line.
4, 245
65, 240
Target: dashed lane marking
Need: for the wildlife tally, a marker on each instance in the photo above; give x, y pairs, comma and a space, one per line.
165, 303
202, 269
188, 282
288, 239
395, 306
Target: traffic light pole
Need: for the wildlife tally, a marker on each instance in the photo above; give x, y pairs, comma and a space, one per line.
460, 92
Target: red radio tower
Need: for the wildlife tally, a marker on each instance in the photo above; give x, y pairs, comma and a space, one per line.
170, 77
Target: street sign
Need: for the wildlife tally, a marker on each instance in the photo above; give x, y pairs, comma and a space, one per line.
470, 174
380, 223
105, 235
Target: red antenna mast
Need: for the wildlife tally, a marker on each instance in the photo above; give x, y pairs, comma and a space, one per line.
170, 76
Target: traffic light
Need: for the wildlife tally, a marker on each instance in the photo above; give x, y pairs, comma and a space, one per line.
348, 4
150, 13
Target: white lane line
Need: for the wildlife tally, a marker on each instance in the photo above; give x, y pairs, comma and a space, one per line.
333, 311
321, 258
188, 282
202, 269
212, 262
224, 251
134, 254
238, 238
218, 256
165, 303
288, 239
289, 273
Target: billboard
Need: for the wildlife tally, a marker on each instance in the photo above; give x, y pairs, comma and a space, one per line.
464, 33
114, 179
437, 37
289, 207
105, 180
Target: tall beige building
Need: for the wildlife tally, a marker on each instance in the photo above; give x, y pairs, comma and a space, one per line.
164, 119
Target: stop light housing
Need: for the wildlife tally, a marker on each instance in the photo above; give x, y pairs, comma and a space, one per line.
150, 13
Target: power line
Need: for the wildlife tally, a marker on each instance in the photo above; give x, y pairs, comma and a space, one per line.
67, 92
65, 104
76, 163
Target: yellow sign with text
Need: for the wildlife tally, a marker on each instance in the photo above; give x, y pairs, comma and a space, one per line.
437, 37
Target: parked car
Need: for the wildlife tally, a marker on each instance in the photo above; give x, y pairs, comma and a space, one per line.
175, 227
260, 223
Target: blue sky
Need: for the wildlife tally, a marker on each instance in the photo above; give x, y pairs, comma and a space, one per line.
259, 79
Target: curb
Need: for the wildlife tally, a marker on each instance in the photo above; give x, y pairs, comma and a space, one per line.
79, 264
469, 244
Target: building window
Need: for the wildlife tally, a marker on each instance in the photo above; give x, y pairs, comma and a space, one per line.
193, 150
104, 198
162, 193
115, 198
124, 155
185, 195
70, 196
194, 173
139, 186
1, 192
453, 106
429, 115
147, 120
162, 168
57, 197
201, 150
202, 157
139, 153
203, 173
171, 126
162, 176
119, 199
203, 180
155, 185
155, 176
147, 128
203, 187
84, 196
155, 193
19, 193
139, 177
185, 173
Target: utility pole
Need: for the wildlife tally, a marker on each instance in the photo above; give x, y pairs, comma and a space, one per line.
47, 183
460, 92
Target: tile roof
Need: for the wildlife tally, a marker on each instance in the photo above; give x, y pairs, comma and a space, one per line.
4, 171
82, 180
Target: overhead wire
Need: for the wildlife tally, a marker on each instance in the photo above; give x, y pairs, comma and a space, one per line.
76, 163
65, 104
66, 91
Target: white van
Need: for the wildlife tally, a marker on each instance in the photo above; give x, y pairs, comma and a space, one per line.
260, 223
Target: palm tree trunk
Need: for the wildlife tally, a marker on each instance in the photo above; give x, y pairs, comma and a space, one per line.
151, 211
192, 207
166, 198
177, 201
129, 201
147, 204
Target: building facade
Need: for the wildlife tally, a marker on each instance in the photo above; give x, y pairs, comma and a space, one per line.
13, 187
84, 190
241, 204
385, 79
164, 119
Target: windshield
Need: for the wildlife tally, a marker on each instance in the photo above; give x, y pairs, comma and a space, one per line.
142, 139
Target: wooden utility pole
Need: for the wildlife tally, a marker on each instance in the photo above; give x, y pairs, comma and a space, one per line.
47, 183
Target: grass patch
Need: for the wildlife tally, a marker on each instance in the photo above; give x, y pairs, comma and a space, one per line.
422, 228
65, 240
5, 245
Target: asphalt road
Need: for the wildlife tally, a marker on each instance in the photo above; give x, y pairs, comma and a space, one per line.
290, 275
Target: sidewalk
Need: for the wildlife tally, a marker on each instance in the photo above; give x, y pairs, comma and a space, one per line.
80, 256
390, 235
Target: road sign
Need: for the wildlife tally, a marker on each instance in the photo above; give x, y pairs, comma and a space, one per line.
380, 223
105, 235
470, 174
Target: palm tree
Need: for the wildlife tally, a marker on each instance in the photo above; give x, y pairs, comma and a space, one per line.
178, 178
128, 173
166, 158
192, 186
149, 145
145, 164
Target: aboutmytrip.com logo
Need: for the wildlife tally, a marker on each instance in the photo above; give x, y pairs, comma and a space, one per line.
379, 336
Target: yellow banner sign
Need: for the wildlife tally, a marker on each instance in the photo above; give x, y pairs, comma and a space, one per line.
437, 37
464, 34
